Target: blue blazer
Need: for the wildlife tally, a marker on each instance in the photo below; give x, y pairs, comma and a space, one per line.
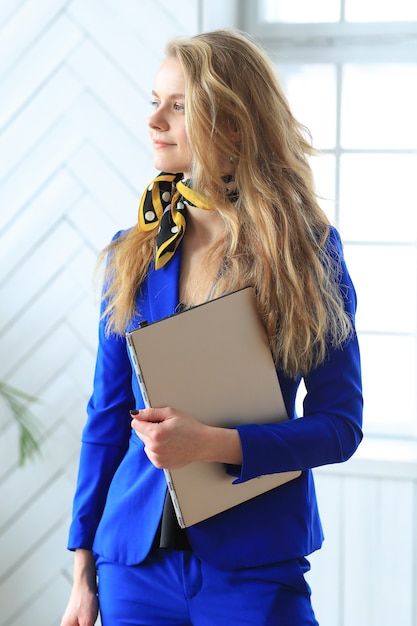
120, 494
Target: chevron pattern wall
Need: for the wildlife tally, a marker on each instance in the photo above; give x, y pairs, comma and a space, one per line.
75, 82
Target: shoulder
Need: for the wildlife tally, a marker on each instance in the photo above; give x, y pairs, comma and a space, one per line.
121, 235
332, 252
334, 249
334, 245
116, 244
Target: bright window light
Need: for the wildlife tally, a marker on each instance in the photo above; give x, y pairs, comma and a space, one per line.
300, 11
379, 11
356, 91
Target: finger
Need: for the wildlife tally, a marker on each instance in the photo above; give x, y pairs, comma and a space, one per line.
147, 415
146, 430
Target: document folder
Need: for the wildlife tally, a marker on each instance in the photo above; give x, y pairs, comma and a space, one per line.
214, 362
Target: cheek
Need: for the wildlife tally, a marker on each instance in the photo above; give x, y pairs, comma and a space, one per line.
184, 138
186, 144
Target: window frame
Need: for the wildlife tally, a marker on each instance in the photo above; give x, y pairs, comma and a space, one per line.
338, 44
349, 41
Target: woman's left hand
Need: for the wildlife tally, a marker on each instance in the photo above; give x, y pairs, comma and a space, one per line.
174, 439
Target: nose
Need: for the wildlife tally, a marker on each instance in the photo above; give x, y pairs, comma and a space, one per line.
157, 121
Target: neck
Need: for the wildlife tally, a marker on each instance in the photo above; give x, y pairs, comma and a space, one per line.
200, 258
203, 227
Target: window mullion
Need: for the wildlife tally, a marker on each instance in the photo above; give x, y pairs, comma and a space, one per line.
338, 147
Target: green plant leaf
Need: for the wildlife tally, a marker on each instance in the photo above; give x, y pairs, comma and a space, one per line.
29, 431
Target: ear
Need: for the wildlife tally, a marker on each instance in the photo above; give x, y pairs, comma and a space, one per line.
235, 136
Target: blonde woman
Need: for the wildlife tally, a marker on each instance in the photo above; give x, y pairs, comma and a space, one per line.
234, 205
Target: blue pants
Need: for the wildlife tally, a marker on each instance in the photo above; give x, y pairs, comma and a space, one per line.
175, 587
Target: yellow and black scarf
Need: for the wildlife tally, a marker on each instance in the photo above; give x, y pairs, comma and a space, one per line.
163, 206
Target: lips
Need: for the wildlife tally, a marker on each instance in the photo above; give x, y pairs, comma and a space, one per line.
157, 144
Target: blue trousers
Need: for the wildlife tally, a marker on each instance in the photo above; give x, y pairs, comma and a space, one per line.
175, 588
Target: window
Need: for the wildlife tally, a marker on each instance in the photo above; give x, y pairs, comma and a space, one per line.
349, 68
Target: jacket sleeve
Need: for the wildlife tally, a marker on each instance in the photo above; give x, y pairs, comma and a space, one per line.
330, 429
105, 436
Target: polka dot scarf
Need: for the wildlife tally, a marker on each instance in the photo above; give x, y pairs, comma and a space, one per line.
163, 205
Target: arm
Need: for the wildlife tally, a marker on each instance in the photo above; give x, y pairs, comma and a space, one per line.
82, 608
105, 437
104, 443
329, 432
105, 440
174, 439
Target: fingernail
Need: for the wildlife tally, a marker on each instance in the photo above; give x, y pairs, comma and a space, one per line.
134, 412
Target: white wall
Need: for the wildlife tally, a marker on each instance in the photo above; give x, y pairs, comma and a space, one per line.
74, 157
365, 574
75, 86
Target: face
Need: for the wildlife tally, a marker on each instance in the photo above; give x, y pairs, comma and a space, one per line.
171, 150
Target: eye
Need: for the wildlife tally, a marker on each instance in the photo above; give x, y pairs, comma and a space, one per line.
179, 107
155, 104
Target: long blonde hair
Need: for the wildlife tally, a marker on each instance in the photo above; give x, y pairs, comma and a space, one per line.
275, 233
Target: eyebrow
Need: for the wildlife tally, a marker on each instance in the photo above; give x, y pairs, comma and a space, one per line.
174, 96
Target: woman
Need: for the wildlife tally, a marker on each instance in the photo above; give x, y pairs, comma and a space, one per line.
234, 206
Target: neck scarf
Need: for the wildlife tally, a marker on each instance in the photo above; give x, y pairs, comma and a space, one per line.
163, 205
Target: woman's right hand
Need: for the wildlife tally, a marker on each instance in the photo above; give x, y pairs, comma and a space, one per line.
82, 608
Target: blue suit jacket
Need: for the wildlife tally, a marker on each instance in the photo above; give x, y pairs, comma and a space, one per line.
120, 494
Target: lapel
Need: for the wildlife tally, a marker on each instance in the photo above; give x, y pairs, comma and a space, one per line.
163, 288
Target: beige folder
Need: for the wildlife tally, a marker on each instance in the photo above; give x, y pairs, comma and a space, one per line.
212, 361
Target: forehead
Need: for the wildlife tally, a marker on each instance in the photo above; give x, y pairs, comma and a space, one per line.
170, 79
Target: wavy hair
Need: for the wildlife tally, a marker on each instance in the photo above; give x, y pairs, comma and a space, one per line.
276, 234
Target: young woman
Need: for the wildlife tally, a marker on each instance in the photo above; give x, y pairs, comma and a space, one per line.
234, 206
